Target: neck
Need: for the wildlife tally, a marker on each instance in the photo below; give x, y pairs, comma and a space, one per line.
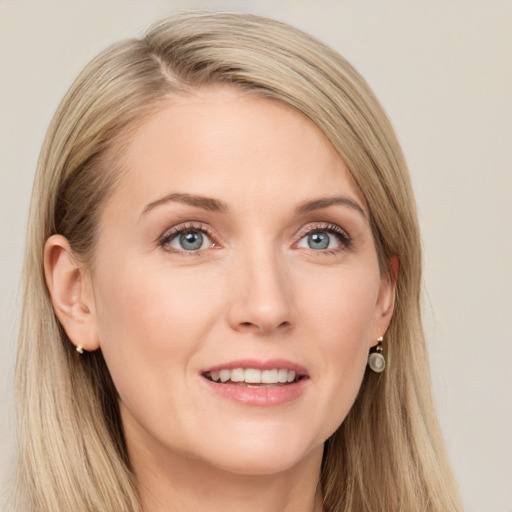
177, 483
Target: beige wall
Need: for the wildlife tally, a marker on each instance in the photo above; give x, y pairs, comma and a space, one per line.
443, 70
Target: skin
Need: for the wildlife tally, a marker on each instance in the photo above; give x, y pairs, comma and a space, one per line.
255, 289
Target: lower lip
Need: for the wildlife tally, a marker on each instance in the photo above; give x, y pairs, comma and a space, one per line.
259, 396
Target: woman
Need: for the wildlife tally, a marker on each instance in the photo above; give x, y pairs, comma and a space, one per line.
222, 234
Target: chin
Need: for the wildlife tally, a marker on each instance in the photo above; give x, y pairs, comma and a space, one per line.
255, 465
258, 456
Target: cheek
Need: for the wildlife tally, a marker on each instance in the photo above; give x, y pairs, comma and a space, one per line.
341, 306
340, 318
151, 300
150, 323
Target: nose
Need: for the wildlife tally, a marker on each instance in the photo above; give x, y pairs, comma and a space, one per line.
262, 295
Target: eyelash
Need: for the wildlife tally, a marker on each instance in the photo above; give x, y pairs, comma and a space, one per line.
332, 229
343, 238
171, 234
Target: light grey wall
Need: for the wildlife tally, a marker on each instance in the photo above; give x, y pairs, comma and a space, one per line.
443, 70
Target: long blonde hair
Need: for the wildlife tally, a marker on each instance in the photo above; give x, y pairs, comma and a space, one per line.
388, 454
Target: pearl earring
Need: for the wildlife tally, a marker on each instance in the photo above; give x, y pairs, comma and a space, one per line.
376, 360
79, 349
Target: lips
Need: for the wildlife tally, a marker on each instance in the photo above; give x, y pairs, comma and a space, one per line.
248, 376
257, 383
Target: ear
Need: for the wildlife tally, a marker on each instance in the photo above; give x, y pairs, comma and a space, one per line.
71, 292
386, 300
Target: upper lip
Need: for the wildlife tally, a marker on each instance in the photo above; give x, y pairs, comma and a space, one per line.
269, 364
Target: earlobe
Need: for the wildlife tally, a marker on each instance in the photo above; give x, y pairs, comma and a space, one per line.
71, 293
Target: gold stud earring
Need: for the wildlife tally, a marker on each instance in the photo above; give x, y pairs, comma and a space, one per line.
376, 360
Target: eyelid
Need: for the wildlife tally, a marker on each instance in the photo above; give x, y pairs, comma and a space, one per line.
174, 231
344, 238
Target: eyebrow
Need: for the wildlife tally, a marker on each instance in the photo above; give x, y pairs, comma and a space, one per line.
325, 202
215, 205
206, 203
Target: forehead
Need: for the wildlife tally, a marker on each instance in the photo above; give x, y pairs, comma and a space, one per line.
222, 142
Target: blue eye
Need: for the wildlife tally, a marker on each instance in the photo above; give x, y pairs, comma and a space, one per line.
191, 241
187, 239
318, 240
325, 238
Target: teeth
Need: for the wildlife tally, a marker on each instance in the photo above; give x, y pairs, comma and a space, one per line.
237, 375
282, 375
225, 375
269, 376
254, 376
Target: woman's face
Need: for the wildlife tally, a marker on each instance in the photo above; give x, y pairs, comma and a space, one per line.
236, 249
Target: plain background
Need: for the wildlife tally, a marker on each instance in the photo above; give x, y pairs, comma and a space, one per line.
443, 71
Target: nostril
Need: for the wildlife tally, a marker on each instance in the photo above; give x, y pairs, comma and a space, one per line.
263, 327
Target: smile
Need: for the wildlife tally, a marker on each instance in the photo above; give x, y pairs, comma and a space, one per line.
257, 383
254, 376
